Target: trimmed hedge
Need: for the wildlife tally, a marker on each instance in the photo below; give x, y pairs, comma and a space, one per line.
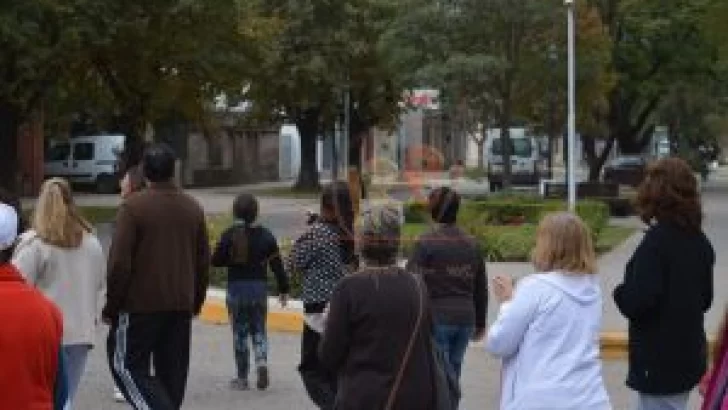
498, 243
514, 211
514, 243
504, 227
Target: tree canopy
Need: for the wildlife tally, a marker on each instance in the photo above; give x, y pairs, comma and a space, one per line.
124, 65
325, 51
37, 39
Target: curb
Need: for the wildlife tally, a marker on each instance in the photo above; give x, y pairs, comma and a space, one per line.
216, 313
613, 344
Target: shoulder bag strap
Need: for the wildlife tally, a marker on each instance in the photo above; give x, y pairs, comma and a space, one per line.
410, 345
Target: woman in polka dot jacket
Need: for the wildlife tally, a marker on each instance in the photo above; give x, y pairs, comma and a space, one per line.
323, 256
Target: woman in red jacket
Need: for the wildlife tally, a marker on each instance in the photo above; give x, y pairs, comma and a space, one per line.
716, 381
31, 374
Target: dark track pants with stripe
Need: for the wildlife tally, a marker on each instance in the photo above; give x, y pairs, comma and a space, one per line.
149, 355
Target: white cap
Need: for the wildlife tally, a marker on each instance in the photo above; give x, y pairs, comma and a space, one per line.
8, 226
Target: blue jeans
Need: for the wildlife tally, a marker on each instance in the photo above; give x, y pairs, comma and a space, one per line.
248, 308
453, 340
75, 357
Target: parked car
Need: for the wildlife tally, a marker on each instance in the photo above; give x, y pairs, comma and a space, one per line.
91, 160
626, 170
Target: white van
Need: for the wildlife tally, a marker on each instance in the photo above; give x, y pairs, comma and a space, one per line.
91, 160
527, 165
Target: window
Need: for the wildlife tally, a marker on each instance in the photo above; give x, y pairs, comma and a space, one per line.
58, 152
520, 147
83, 151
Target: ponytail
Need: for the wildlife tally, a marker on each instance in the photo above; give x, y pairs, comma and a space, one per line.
336, 201
240, 244
245, 210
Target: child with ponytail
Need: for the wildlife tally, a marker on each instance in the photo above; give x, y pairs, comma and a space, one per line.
247, 250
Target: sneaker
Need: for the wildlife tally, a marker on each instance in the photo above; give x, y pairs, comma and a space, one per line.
239, 384
263, 379
118, 396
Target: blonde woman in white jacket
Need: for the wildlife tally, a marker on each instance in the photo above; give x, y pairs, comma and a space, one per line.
547, 331
63, 259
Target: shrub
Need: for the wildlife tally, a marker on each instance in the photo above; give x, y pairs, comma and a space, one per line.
416, 212
506, 243
498, 243
517, 211
595, 214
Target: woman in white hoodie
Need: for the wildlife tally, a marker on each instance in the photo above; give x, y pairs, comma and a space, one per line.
63, 259
547, 331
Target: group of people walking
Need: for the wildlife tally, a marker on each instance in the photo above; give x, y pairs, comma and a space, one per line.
378, 334
393, 337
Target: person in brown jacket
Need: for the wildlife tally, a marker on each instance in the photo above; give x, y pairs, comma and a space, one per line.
376, 338
157, 281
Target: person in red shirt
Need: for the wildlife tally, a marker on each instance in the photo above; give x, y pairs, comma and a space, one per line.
31, 366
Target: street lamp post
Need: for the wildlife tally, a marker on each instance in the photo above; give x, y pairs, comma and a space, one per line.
572, 103
553, 59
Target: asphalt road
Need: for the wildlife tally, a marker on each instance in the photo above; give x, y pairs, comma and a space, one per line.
212, 367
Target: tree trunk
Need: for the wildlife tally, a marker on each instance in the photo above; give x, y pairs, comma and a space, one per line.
358, 132
9, 124
505, 125
480, 141
630, 123
481, 155
132, 124
596, 160
308, 128
505, 137
632, 144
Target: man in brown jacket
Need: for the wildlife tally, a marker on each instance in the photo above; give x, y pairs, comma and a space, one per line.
157, 281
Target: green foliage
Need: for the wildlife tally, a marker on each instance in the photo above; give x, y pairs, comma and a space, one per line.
512, 211
323, 51
517, 212
416, 212
39, 39
507, 243
656, 45
140, 61
514, 243
499, 243
495, 61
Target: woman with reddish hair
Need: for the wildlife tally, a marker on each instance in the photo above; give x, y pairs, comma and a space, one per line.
716, 381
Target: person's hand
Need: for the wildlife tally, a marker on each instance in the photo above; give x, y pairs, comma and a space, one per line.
503, 288
283, 299
478, 335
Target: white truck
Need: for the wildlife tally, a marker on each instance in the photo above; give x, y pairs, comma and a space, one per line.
527, 162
